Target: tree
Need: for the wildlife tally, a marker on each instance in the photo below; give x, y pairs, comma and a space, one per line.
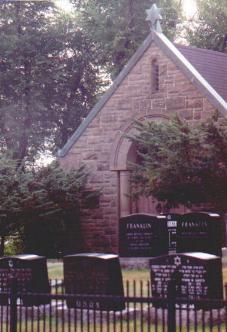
208, 28
13, 190
181, 163
49, 77
46, 201
55, 222
52, 65
119, 27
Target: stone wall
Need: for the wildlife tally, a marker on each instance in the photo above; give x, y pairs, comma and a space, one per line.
101, 147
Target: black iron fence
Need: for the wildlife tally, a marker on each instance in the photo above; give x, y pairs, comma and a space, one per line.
142, 312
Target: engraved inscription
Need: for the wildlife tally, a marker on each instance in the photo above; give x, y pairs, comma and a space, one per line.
143, 235
23, 277
192, 274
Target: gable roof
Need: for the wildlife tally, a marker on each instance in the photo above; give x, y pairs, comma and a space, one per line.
212, 65
177, 57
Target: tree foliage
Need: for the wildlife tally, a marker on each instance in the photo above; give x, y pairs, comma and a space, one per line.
209, 28
181, 163
49, 77
119, 27
50, 67
52, 63
41, 204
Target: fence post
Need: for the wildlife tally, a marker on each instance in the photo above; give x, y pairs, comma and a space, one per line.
171, 306
13, 305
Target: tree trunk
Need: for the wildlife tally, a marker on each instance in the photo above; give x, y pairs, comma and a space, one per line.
131, 15
2, 245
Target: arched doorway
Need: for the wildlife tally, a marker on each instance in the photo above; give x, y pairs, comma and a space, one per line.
143, 204
123, 154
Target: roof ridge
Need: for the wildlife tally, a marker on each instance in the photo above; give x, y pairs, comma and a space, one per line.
199, 49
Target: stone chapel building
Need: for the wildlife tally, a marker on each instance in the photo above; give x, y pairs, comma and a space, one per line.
159, 80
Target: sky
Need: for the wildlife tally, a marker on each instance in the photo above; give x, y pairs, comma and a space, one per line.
65, 5
189, 8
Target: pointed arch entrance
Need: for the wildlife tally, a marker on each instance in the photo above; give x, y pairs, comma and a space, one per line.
124, 153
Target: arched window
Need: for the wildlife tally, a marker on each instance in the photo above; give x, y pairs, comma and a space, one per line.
154, 76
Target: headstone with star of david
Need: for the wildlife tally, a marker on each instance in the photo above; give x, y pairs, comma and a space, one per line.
154, 17
197, 276
30, 272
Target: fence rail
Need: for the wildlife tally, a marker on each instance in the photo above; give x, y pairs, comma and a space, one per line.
142, 312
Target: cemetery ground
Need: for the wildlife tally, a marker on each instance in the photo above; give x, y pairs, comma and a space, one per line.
55, 271
138, 320
136, 282
128, 326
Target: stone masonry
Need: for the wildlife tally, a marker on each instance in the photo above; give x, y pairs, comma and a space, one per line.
102, 145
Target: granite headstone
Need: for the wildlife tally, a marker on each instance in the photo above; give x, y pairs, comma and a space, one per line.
143, 235
197, 276
93, 273
201, 231
30, 272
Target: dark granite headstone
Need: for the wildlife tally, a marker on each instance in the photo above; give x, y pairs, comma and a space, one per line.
198, 276
143, 235
93, 273
201, 232
30, 272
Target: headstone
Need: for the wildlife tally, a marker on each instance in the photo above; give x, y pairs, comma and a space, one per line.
143, 235
172, 221
198, 276
201, 232
93, 273
30, 272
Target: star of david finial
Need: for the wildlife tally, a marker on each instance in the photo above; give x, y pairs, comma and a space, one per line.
154, 16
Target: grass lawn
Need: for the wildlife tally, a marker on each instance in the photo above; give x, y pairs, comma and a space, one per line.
55, 270
126, 326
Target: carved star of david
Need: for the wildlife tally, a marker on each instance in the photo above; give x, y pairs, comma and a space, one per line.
177, 260
154, 16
